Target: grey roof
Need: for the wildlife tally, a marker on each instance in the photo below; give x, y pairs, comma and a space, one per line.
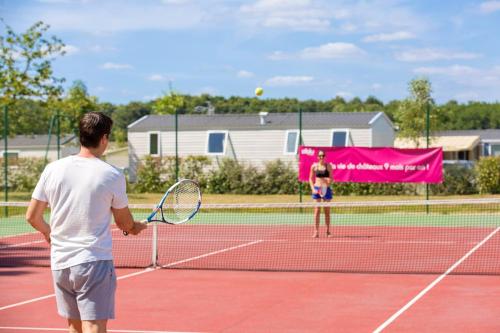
484, 134
310, 120
34, 141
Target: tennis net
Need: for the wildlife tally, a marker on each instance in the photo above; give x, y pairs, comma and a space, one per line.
434, 236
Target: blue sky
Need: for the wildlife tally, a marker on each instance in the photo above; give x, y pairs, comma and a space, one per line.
131, 50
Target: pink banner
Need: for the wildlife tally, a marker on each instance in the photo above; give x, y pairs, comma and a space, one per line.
376, 165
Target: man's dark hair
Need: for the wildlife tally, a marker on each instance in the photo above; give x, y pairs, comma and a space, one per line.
93, 126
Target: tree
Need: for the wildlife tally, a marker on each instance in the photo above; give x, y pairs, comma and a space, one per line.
74, 105
26, 66
124, 115
411, 115
26, 73
170, 103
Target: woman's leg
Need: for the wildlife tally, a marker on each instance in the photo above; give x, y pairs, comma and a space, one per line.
327, 220
317, 213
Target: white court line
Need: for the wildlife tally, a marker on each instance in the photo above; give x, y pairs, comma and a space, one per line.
212, 253
434, 283
32, 242
26, 302
147, 270
21, 244
65, 330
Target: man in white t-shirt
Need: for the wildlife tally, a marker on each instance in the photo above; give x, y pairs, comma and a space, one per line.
83, 193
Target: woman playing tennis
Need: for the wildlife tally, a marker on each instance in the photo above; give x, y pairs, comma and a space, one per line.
320, 179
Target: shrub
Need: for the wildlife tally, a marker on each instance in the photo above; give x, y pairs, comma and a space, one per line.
227, 178
457, 180
23, 174
280, 178
26, 174
374, 189
196, 168
488, 175
149, 176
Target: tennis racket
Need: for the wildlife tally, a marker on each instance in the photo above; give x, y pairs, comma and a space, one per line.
178, 205
322, 190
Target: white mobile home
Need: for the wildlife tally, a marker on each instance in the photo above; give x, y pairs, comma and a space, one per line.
254, 138
39, 145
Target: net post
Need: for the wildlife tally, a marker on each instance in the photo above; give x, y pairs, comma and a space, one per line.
6, 157
154, 244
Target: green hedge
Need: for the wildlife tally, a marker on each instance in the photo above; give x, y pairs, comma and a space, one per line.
227, 175
488, 175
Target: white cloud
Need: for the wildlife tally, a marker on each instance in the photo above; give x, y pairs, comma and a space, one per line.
101, 49
55, 1
149, 97
467, 96
115, 66
348, 27
299, 15
489, 6
175, 2
278, 55
325, 51
454, 70
244, 74
433, 54
344, 94
331, 51
487, 79
157, 77
389, 37
382, 15
114, 16
207, 90
289, 80
70, 49
98, 89
376, 86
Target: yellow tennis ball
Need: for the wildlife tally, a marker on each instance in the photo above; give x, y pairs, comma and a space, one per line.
259, 91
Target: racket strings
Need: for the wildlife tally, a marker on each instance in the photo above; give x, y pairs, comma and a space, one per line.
182, 202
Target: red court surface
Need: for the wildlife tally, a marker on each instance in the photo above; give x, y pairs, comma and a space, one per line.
167, 300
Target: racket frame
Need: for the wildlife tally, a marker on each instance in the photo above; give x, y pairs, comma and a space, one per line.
159, 207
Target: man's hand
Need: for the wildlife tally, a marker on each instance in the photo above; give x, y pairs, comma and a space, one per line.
125, 221
137, 228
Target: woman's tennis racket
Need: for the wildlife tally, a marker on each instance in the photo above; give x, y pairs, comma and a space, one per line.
180, 204
322, 191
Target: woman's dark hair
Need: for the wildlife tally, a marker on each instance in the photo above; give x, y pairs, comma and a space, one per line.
93, 126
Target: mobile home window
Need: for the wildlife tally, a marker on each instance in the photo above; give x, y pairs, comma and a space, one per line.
216, 143
10, 154
291, 142
154, 143
495, 149
486, 149
340, 138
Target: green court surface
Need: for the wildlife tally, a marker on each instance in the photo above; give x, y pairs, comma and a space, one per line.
16, 224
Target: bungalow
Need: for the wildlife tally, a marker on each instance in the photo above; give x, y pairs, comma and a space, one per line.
254, 138
38, 146
489, 140
463, 147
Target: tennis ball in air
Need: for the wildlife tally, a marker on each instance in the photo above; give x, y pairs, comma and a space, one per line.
259, 91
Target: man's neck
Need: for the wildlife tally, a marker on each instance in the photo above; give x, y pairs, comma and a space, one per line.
88, 152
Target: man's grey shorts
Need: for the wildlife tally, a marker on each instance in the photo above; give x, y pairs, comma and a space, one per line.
86, 291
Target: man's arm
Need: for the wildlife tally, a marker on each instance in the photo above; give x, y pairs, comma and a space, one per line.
34, 215
125, 221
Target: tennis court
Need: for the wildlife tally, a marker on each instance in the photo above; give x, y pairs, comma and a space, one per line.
421, 266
